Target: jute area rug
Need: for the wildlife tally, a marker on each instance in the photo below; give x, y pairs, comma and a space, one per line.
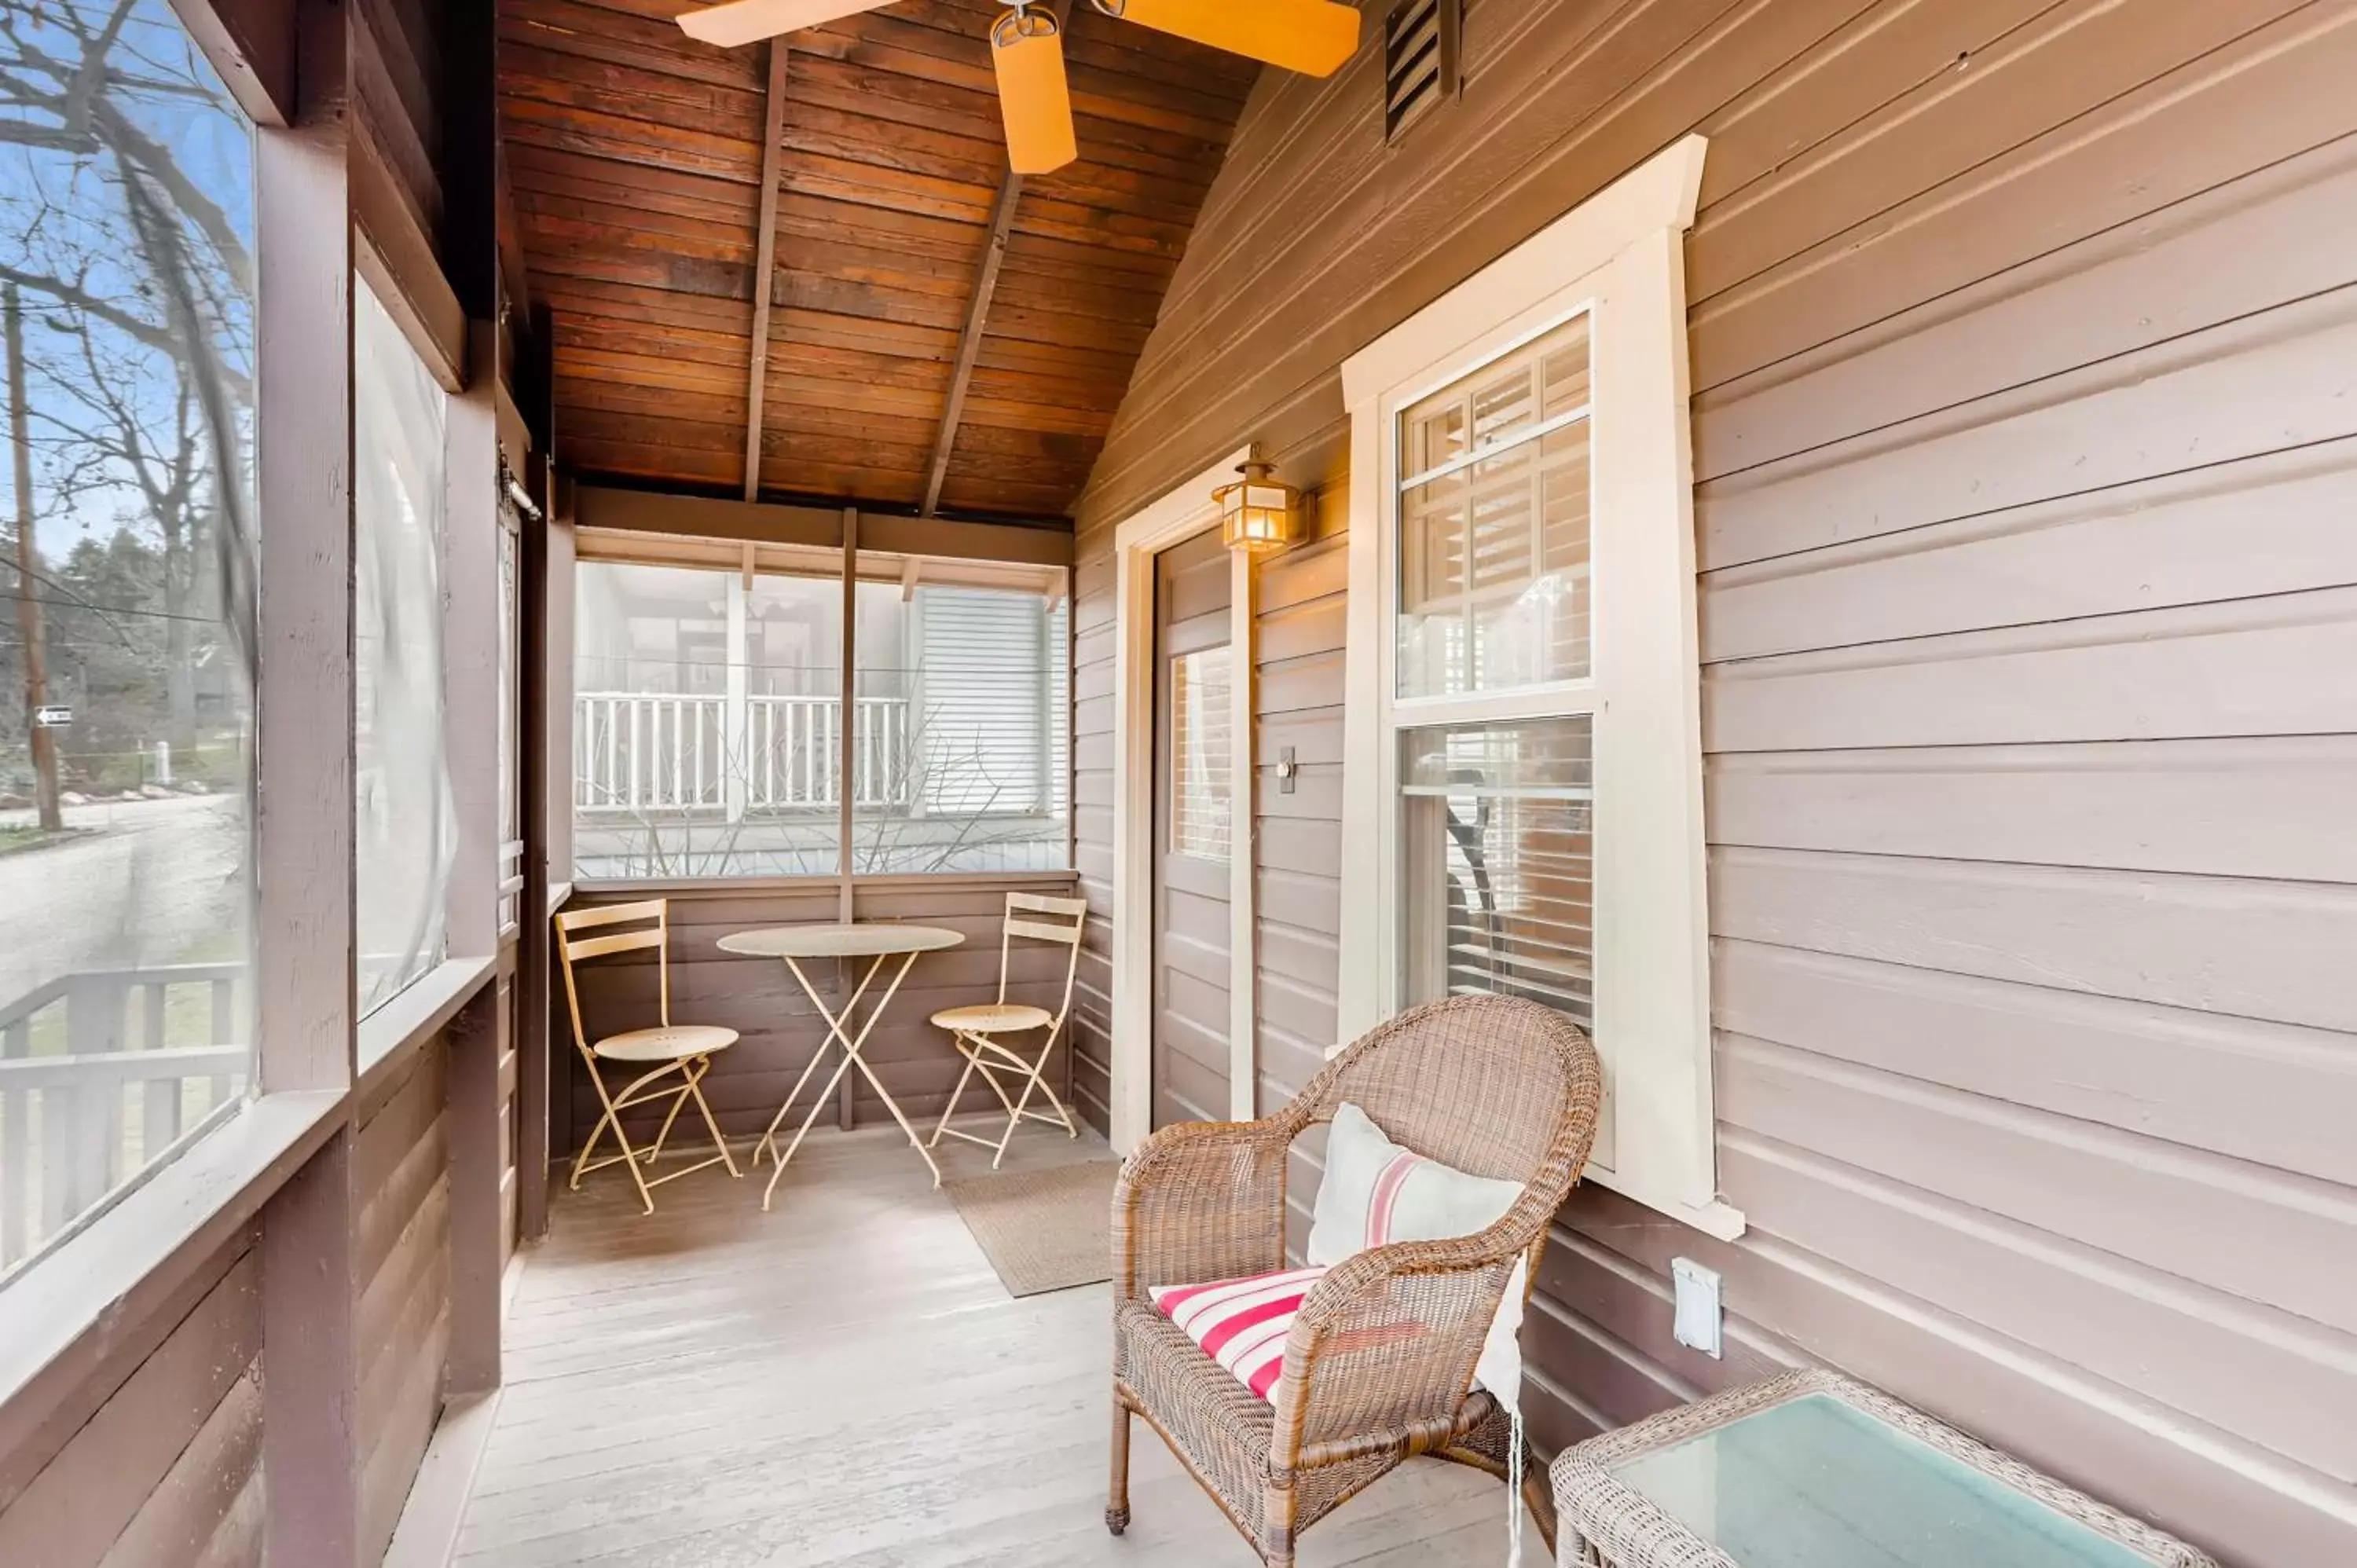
1045, 1229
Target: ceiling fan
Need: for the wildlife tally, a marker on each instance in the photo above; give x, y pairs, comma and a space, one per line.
1313, 36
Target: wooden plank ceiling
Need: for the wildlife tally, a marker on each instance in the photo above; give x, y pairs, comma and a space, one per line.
634, 156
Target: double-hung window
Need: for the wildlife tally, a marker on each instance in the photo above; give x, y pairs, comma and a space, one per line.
1522, 736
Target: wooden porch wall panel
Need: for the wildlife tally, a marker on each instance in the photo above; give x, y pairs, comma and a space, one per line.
394, 62
2025, 450
165, 1471
401, 1264
778, 1030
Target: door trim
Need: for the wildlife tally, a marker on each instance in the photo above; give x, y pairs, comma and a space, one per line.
1178, 515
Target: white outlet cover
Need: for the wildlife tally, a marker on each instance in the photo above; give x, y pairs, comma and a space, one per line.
1699, 1313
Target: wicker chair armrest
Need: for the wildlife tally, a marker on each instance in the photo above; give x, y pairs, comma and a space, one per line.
1383, 1351
1202, 1200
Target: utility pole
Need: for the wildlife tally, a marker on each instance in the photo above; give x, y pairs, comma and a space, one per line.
28, 604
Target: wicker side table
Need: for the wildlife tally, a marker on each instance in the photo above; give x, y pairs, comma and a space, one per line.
1811, 1470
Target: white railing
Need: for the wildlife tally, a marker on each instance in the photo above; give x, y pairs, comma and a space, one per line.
643, 752
95, 1089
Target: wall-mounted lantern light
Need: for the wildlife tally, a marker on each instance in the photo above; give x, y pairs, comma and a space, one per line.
1258, 513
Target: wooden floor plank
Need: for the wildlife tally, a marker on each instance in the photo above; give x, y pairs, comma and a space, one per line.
844, 1381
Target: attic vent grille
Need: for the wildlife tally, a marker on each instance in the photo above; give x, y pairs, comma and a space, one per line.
1419, 60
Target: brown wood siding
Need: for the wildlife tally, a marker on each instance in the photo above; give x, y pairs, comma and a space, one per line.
163, 1469
778, 1030
636, 157
393, 62
401, 1267
2026, 440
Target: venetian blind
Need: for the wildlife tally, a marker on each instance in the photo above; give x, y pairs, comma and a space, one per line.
1498, 850
1201, 752
1495, 524
988, 740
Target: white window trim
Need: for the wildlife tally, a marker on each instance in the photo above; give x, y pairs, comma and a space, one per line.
1178, 515
1620, 255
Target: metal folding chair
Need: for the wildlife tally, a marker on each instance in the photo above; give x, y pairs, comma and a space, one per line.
670, 1049
976, 1030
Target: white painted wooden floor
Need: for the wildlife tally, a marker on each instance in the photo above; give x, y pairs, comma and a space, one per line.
844, 1381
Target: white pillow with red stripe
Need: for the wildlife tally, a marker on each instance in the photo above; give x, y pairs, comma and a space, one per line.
1375, 1191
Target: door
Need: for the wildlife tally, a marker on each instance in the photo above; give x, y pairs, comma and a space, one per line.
1192, 759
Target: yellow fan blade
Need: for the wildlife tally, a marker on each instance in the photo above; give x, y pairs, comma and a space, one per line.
1033, 98
1312, 37
750, 21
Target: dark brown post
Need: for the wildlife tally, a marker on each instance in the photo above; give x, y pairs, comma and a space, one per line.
474, 528
535, 760
28, 595
846, 770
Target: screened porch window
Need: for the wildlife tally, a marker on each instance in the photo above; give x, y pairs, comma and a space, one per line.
402, 838
128, 638
712, 736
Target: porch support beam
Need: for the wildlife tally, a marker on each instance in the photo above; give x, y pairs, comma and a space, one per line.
765, 263
772, 523
977, 316
305, 982
543, 753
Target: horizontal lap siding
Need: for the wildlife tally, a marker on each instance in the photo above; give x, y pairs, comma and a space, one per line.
2025, 347
401, 1265
164, 1468
1092, 762
778, 1030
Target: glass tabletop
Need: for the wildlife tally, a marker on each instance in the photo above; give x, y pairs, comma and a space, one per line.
1817, 1483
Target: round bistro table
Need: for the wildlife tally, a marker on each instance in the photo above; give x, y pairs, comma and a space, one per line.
875, 941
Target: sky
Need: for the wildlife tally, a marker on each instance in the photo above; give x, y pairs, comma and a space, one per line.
62, 211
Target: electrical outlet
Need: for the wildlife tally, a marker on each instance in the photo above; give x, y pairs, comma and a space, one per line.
1698, 1314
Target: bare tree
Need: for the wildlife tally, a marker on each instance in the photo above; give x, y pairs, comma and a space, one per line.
144, 387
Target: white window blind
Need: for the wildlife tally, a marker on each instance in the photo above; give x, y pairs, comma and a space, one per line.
1499, 861
1201, 752
988, 701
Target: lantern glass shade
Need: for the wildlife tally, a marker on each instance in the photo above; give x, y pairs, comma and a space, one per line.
1257, 513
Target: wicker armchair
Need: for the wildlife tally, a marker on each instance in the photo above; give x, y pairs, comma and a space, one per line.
1379, 1364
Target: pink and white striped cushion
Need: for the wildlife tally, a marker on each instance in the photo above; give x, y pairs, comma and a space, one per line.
1241, 1323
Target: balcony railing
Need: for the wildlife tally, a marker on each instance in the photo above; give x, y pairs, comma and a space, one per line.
101, 1074
664, 753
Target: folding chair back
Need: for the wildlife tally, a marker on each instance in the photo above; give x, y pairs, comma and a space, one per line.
1045, 919
572, 950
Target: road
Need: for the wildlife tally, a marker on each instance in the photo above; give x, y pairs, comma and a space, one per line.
154, 881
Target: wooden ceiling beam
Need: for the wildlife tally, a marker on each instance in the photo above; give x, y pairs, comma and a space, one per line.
977, 313
764, 262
